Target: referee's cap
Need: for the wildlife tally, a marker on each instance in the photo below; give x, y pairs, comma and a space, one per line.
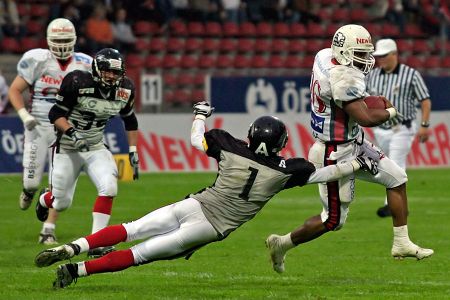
385, 46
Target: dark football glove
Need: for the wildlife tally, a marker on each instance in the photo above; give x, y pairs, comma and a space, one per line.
134, 162
79, 142
203, 108
367, 164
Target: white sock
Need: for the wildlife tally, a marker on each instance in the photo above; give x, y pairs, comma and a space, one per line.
286, 242
82, 243
99, 221
81, 269
401, 236
48, 228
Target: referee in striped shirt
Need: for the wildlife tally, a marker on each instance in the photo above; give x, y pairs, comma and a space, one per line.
405, 88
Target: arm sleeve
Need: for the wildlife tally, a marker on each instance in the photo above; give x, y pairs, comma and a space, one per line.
331, 173
130, 122
198, 135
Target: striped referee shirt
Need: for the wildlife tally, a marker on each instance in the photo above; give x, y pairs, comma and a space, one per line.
404, 87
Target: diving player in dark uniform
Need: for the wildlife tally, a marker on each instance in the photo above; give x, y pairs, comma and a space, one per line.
249, 175
83, 106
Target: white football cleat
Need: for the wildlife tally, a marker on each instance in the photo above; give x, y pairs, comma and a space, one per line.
277, 254
410, 250
25, 199
50, 256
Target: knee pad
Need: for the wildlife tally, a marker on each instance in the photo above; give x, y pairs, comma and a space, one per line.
110, 189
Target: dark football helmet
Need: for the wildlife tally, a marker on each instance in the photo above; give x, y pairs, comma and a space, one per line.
267, 135
108, 68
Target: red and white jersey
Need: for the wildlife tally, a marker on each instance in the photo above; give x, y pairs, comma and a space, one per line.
331, 85
43, 72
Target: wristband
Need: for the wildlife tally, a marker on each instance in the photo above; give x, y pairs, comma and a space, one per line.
70, 131
392, 112
132, 149
200, 117
23, 114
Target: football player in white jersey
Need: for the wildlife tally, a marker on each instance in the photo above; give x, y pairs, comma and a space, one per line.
41, 72
84, 104
337, 112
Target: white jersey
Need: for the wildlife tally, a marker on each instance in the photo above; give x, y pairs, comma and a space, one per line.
331, 85
43, 72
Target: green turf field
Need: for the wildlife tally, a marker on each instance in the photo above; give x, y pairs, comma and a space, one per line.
353, 263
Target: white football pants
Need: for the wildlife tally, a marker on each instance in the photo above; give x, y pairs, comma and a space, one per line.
36, 152
336, 196
98, 164
171, 231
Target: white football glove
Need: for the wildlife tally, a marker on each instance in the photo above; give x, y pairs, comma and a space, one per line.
203, 109
79, 142
28, 120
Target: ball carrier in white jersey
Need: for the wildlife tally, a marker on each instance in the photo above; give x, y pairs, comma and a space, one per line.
83, 106
337, 112
249, 176
41, 72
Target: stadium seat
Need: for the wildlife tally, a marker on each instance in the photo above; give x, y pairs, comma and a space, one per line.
28, 43
264, 29
245, 45
414, 31
38, 11
181, 96
22, 9
293, 62
315, 30
195, 29
230, 29
390, 30
199, 79
153, 62
213, 29
192, 45
141, 44
206, 61
262, 45
227, 45
247, 29
188, 61
297, 46
34, 27
212, 45
185, 79
404, 46
178, 28
169, 79
340, 14
241, 61
358, 15
145, 28
312, 46
10, 45
157, 45
259, 61
281, 29
175, 44
279, 45
197, 95
170, 61
308, 61
134, 61
432, 62
297, 30
224, 61
415, 61
330, 30
446, 62
276, 61
420, 46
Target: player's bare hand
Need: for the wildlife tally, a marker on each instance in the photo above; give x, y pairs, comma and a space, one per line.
423, 134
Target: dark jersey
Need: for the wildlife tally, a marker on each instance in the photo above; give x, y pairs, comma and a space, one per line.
245, 181
88, 109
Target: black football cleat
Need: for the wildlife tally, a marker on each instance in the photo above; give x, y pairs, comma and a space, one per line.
384, 212
100, 251
41, 211
65, 275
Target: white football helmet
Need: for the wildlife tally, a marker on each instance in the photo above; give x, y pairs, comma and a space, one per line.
61, 38
352, 46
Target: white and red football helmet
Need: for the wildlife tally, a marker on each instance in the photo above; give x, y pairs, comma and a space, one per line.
352, 46
61, 38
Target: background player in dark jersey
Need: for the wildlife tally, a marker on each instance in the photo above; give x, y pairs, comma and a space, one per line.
249, 176
83, 106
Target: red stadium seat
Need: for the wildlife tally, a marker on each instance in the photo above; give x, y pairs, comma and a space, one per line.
38, 11
34, 27
213, 29
315, 30
153, 62
22, 9
195, 29
245, 45
28, 43
10, 45
175, 45
185, 79
279, 45
433, 62
358, 15
421, 46
276, 61
188, 61
141, 44
413, 30
297, 46
297, 30
446, 62
230, 29
227, 45
331, 30
375, 29
224, 61
308, 61
145, 28
169, 79
178, 28
340, 14
197, 95
157, 45
312, 46
181, 96
281, 29
241, 61
210, 45
390, 30
259, 61
404, 46
415, 61
206, 61
247, 29
134, 61
293, 62
192, 45
170, 61
262, 45
199, 79
264, 29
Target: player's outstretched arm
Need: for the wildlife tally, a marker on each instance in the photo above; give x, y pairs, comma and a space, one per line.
202, 110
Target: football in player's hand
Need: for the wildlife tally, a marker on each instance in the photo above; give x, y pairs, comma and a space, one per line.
379, 102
